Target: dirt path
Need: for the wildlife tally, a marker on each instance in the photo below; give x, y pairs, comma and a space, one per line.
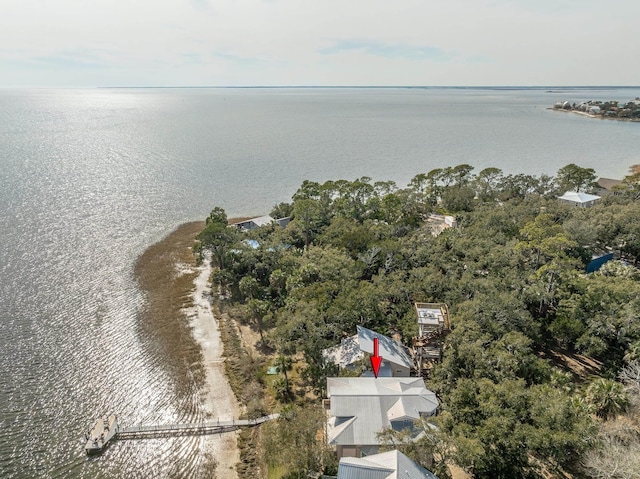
220, 400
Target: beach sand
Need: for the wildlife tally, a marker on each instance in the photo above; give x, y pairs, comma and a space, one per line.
178, 322
220, 401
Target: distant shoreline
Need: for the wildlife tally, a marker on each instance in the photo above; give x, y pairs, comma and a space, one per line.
554, 89
597, 117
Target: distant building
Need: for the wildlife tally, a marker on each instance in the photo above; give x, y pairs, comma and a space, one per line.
396, 359
362, 407
439, 223
283, 222
386, 465
562, 105
260, 221
583, 200
607, 186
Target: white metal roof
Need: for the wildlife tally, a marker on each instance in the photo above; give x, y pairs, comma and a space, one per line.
262, 220
578, 197
390, 349
387, 465
356, 468
376, 387
258, 221
402, 411
362, 407
353, 348
361, 468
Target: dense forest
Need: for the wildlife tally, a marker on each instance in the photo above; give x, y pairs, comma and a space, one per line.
512, 271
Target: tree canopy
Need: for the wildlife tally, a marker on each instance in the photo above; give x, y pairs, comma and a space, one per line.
512, 272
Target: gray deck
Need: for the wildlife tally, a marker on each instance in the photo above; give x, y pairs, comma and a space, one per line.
208, 427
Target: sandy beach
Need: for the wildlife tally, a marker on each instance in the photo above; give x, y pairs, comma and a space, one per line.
220, 401
178, 319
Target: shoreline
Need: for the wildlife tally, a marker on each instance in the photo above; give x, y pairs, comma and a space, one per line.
220, 401
597, 117
184, 335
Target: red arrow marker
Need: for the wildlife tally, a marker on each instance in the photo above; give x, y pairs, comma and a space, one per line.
376, 360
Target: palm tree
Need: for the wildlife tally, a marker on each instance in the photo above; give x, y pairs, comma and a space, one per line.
283, 364
281, 388
607, 397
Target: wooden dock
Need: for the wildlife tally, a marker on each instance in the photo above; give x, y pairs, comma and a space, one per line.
208, 427
171, 430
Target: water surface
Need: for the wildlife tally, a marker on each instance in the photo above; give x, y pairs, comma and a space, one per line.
90, 178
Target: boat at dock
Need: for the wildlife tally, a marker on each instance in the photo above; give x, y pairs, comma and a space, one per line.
104, 429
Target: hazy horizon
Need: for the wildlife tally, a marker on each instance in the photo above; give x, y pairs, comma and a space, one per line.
364, 86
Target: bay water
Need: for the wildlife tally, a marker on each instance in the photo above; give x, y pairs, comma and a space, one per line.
90, 178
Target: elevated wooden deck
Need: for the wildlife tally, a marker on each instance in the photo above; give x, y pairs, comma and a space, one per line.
433, 327
208, 427
142, 431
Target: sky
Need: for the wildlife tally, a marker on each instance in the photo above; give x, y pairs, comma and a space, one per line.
89, 43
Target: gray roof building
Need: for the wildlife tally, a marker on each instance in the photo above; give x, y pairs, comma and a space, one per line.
386, 465
363, 407
260, 221
396, 358
607, 185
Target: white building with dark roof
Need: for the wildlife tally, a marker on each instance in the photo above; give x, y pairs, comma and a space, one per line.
386, 465
396, 359
362, 407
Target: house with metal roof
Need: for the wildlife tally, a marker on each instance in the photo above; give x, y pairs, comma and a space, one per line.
396, 359
607, 186
258, 222
438, 223
583, 200
360, 408
386, 465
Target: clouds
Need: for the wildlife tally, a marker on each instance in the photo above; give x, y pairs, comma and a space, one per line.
201, 4
333, 42
387, 50
66, 60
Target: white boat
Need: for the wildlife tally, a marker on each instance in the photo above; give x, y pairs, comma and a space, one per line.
101, 433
